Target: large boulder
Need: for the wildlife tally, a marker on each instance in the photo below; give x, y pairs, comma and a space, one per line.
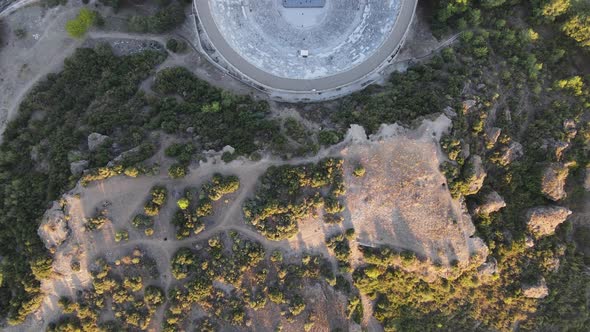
492, 202
475, 174
468, 105
53, 230
543, 220
492, 135
489, 268
123, 156
510, 153
569, 126
77, 167
553, 181
537, 290
95, 140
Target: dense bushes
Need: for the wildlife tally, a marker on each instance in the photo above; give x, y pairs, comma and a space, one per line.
164, 20
77, 27
62, 100
189, 217
287, 194
237, 121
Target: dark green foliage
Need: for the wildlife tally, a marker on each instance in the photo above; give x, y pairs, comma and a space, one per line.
142, 221
177, 171
410, 95
238, 120
63, 100
176, 46
288, 194
164, 20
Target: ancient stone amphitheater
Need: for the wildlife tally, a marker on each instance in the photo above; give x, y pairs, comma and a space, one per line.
303, 49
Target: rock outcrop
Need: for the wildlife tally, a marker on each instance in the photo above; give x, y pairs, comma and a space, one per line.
511, 153
95, 140
492, 202
587, 179
53, 230
492, 135
543, 220
78, 167
553, 181
489, 268
569, 126
475, 174
538, 290
468, 105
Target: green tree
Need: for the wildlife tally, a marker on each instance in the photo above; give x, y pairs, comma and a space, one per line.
78, 27
578, 28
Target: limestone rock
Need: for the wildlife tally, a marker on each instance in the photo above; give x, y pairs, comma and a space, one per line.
54, 228
553, 181
538, 290
529, 242
449, 112
95, 140
468, 105
124, 155
475, 174
78, 167
489, 268
511, 153
543, 220
560, 147
492, 135
569, 126
492, 202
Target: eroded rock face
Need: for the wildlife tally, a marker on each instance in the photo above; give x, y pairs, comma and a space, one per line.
476, 174
569, 126
553, 181
54, 227
124, 155
489, 268
543, 220
492, 135
468, 105
538, 290
511, 153
492, 202
78, 167
95, 140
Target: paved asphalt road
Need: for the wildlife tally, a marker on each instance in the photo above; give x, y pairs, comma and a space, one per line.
400, 28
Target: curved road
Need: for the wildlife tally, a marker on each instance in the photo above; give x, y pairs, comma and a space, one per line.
369, 66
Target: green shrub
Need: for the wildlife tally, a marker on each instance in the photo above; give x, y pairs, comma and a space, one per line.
78, 27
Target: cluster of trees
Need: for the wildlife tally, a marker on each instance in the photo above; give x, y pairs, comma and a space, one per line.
288, 194
166, 19
78, 26
158, 198
96, 222
199, 269
189, 217
341, 248
217, 117
63, 100
176, 46
126, 285
535, 91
